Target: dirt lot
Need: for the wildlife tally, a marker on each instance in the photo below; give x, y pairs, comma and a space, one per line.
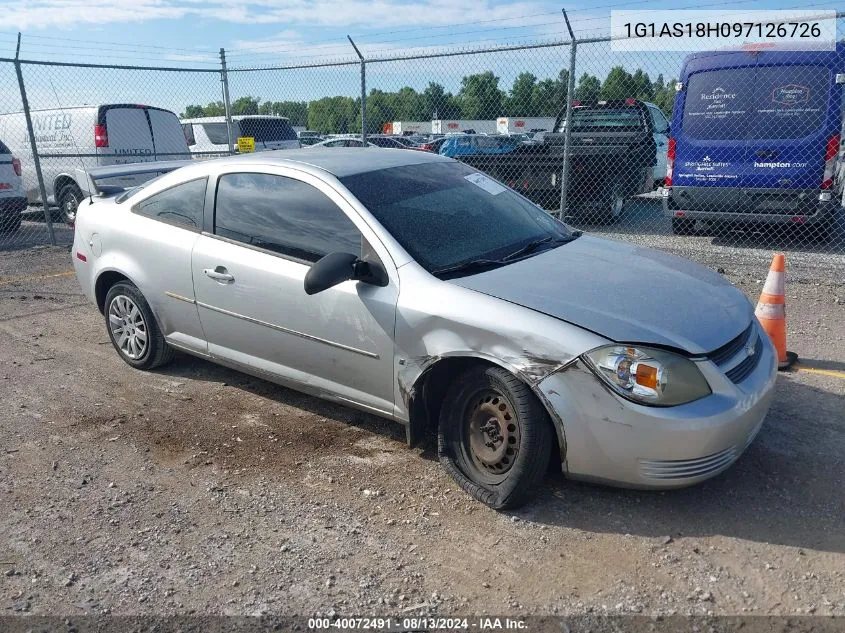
199, 489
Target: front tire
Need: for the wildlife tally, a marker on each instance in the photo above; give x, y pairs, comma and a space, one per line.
133, 330
494, 437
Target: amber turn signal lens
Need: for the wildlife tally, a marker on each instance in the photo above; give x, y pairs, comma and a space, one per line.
647, 376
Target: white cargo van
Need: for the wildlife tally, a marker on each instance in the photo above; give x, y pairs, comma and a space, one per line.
84, 137
208, 135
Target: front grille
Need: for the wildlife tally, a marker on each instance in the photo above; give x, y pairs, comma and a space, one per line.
687, 468
730, 349
741, 371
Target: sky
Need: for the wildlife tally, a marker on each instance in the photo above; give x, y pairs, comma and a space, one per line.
260, 33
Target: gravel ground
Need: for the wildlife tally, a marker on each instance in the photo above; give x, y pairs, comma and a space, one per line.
196, 489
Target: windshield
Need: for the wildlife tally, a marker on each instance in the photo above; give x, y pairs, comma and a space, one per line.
446, 213
603, 118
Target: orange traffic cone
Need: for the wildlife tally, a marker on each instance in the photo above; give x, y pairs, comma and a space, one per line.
771, 311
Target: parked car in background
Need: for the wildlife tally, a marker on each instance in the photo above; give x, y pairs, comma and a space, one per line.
327, 271
88, 137
209, 135
308, 137
390, 142
756, 139
342, 142
433, 145
477, 144
12, 195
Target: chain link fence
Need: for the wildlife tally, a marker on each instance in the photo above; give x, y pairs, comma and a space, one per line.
719, 157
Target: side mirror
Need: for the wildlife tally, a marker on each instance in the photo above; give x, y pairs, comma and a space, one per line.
335, 268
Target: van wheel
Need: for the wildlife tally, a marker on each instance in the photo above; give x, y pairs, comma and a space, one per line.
69, 198
683, 227
494, 437
10, 224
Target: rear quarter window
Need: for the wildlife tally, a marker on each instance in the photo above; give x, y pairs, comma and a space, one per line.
217, 133
181, 205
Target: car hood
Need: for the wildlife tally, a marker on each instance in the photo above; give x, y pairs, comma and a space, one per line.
623, 292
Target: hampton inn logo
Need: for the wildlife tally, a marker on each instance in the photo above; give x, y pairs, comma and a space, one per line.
791, 94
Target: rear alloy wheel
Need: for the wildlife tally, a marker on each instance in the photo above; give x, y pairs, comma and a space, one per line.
69, 199
133, 329
494, 437
683, 227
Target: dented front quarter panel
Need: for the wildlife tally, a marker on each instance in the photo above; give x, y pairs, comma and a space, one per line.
436, 320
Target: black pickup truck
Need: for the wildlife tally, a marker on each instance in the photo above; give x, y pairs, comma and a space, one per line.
612, 155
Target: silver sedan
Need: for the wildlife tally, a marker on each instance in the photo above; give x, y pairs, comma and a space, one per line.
413, 287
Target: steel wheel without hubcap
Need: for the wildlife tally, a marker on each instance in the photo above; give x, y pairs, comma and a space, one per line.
493, 435
128, 327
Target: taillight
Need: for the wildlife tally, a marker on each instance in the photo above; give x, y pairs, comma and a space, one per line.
670, 162
630, 101
16, 165
831, 151
427, 147
101, 136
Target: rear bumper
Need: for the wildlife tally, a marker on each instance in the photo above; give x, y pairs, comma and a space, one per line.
816, 211
12, 204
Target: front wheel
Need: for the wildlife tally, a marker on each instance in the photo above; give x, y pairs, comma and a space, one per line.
133, 329
494, 437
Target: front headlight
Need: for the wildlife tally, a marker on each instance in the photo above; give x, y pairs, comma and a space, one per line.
647, 375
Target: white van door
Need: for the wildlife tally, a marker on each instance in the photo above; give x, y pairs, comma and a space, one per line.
129, 137
168, 136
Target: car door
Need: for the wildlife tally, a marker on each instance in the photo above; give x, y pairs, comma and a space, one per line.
661, 141
248, 275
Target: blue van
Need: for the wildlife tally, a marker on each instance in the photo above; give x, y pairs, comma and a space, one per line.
756, 137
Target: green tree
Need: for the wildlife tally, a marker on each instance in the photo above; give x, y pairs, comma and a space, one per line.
643, 88
588, 88
664, 95
439, 104
334, 115
295, 111
245, 105
480, 97
521, 99
546, 99
409, 105
619, 84
192, 112
379, 110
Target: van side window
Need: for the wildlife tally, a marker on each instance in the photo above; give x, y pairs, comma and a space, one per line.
282, 215
218, 134
181, 205
661, 125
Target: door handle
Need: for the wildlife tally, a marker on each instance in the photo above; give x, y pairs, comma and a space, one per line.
219, 274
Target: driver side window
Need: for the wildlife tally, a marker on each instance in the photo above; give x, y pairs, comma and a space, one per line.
282, 215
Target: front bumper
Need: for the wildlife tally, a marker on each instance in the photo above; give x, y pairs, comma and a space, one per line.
611, 440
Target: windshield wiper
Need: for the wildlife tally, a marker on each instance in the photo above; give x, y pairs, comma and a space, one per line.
534, 245
473, 264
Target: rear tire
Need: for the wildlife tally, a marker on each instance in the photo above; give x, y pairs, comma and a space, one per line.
494, 437
683, 227
133, 329
69, 198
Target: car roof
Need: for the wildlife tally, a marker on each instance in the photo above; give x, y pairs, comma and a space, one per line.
338, 161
